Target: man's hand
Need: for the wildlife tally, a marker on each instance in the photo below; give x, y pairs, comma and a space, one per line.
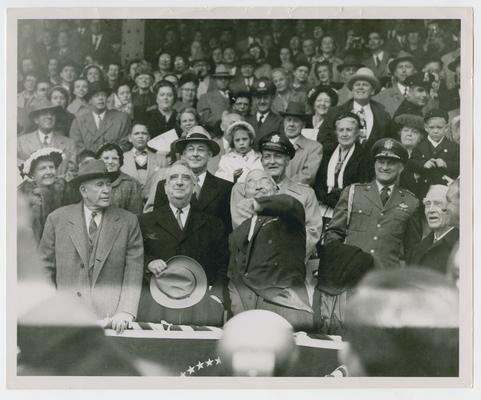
246, 207
237, 174
121, 320
156, 267
441, 163
430, 164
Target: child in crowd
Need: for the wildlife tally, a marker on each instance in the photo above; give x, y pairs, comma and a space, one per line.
236, 164
435, 158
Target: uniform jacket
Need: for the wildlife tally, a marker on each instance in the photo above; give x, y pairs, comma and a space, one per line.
303, 193
354, 172
271, 263
424, 151
381, 69
214, 198
387, 232
30, 142
210, 107
379, 129
303, 167
391, 98
272, 123
115, 128
155, 162
116, 269
435, 255
203, 239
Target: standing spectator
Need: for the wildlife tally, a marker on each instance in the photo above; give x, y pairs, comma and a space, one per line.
216, 57
162, 117
348, 68
121, 100
186, 119
180, 66
52, 71
241, 103
322, 74
301, 75
379, 217
68, 73
413, 43
262, 68
90, 130
303, 167
379, 59
188, 84
285, 59
229, 59
103, 263
308, 52
201, 66
284, 93
327, 51
59, 96
64, 50
93, 73
126, 191
265, 120
99, 47
142, 95
321, 100
212, 104
79, 104
141, 163
246, 80
164, 66
113, 74
434, 250
25, 98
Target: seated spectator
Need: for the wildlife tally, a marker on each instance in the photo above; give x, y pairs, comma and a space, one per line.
162, 116
434, 250
121, 100
246, 80
229, 58
186, 119
348, 68
44, 190
241, 159
176, 228
262, 68
52, 71
320, 99
141, 163
322, 74
59, 96
284, 93
79, 104
327, 51
435, 158
180, 66
68, 73
93, 73
301, 74
142, 95
343, 164
25, 98
285, 59
188, 84
112, 76
241, 103
202, 67
424, 342
378, 60
164, 66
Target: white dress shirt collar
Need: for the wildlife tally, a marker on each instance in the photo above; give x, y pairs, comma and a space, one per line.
402, 88
438, 238
435, 144
201, 179
380, 186
48, 136
88, 216
258, 115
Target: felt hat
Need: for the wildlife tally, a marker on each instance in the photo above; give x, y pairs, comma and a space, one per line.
95, 88
295, 109
364, 74
221, 71
197, 134
42, 105
410, 121
92, 169
182, 284
402, 56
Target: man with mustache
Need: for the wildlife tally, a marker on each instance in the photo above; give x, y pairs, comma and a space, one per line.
379, 217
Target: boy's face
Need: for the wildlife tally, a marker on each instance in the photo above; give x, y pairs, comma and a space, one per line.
436, 128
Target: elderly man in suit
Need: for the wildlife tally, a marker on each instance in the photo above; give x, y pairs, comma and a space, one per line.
379, 59
264, 120
212, 104
379, 217
212, 194
44, 115
374, 119
141, 163
266, 267
90, 130
303, 167
277, 151
178, 228
400, 68
94, 251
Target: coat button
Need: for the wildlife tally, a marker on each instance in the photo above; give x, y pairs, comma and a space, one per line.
372, 251
378, 225
360, 211
375, 237
382, 214
79, 294
269, 241
276, 263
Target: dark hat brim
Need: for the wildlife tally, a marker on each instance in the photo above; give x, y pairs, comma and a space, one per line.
33, 114
91, 94
78, 180
393, 63
179, 144
279, 148
302, 116
222, 75
341, 66
390, 155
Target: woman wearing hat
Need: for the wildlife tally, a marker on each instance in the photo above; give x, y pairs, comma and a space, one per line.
322, 74
59, 97
44, 190
187, 98
126, 191
236, 164
321, 99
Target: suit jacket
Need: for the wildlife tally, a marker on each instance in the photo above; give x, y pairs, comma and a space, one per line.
210, 107
214, 198
30, 142
115, 128
104, 50
381, 69
271, 263
272, 123
301, 192
435, 255
155, 161
110, 278
203, 239
379, 130
303, 167
424, 151
157, 123
238, 85
391, 98
386, 232
354, 172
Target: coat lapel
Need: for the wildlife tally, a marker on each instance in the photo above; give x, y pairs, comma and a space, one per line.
78, 233
129, 164
259, 222
194, 222
106, 123
166, 220
207, 193
395, 199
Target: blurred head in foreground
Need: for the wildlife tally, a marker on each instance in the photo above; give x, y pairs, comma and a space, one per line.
257, 343
403, 323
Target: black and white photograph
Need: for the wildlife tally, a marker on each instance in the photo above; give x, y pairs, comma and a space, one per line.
253, 196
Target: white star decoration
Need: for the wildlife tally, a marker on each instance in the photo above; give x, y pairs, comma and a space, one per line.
217, 361
191, 370
209, 362
200, 365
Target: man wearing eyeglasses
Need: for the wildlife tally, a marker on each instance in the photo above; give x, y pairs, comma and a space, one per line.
434, 250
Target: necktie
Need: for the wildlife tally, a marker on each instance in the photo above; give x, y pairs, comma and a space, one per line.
197, 190
261, 119
405, 91
362, 117
92, 227
384, 195
45, 141
377, 61
178, 213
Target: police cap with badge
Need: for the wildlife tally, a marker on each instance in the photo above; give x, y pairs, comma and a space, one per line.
277, 142
421, 79
390, 148
263, 87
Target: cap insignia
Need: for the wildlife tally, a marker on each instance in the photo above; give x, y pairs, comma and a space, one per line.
275, 139
388, 144
262, 84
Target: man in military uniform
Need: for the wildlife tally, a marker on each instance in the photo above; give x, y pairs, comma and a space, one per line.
277, 151
379, 217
